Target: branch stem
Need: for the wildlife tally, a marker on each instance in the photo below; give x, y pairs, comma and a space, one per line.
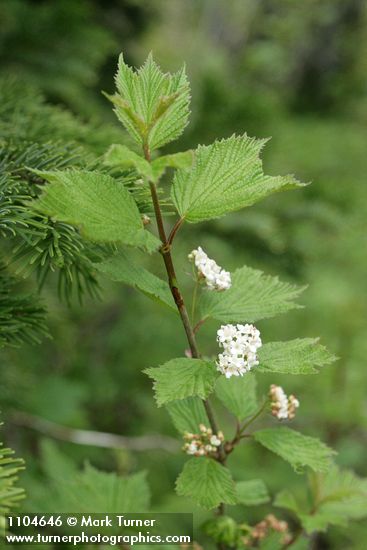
177, 296
193, 305
179, 301
254, 417
241, 429
199, 324
91, 437
175, 228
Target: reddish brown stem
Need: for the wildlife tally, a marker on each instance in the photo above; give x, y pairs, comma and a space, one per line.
199, 324
177, 296
175, 228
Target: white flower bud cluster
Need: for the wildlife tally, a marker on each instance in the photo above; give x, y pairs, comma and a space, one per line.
240, 344
204, 444
282, 406
215, 277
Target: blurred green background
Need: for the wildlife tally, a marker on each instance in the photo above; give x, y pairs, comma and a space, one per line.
295, 71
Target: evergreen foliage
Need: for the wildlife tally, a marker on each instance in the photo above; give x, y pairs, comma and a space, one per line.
10, 494
22, 318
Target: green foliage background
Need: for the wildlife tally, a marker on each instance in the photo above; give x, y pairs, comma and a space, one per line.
292, 70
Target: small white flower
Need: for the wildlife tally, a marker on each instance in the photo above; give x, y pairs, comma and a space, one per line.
224, 280
226, 333
240, 344
215, 277
214, 440
192, 448
236, 348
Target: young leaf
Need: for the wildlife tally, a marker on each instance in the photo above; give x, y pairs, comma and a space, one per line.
286, 499
299, 356
207, 482
176, 160
153, 106
183, 377
120, 268
297, 449
226, 176
253, 296
187, 414
238, 394
224, 530
252, 493
122, 157
101, 207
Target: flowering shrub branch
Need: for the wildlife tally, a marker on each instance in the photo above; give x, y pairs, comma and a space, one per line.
165, 250
208, 183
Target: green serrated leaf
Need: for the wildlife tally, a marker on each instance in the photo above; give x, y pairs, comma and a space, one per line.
238, 394
90, 490
252, 296
299, 356
102, 208
115, 493
339, 497
286, 499
226, 176
153, 106
207, 482
252, 493
121, 269
297, 449
121, 156
176, 160
187, 414
181, 378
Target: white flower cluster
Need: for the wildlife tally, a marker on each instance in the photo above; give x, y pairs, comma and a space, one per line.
240, 344
215, 277
282, 406
204, 444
